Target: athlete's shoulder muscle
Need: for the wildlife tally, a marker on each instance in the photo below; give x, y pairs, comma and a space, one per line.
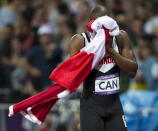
123, 39
125, 44
75, 44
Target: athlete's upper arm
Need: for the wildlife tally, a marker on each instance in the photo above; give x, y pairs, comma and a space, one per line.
75, 44
126, 47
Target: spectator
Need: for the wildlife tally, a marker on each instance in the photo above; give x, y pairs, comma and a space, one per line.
147, 61
43, 58
5, 43
83, 12
24, 32
67, 29
11, 14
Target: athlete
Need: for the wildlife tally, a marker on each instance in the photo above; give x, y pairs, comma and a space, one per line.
100, 108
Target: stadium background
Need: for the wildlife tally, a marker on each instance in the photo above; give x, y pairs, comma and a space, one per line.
34, 37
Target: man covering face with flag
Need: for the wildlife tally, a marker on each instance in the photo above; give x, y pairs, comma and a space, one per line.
72, 72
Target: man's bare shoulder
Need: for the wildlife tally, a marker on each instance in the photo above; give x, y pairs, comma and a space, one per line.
77, 37
76, 43
123, 38
122, 35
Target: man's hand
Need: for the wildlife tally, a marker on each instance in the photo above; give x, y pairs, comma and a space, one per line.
125, 59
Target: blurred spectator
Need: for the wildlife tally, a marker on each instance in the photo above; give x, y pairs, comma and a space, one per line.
136, 28
43, 58
39, 17
18, 74
151, 22
82, 17
5, 53
5, 70
11, 14
67, 29
147, 61
6, 33
24, 32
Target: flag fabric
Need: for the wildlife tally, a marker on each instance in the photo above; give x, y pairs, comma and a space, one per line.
76, 69
69, 75
104, 22
36, 107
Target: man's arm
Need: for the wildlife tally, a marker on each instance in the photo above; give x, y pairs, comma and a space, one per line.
75, 44
126, 59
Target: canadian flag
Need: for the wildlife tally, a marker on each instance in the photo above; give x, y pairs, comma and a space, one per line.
73, 71
69, 75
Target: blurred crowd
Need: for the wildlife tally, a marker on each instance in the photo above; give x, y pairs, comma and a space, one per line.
34, 38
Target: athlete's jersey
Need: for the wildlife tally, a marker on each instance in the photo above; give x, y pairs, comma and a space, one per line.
105, 77
102, 84
100, 106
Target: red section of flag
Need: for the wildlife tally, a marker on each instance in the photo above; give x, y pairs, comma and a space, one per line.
41, 110
107, 36
39, 100
68, 75
89, 24
73, 71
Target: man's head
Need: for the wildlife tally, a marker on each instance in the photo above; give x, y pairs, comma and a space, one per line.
98, 11
45, 33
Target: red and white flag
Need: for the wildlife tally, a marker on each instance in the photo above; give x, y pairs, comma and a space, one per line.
73, 71
70, 74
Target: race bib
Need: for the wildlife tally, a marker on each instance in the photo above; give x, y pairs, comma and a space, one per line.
108, 84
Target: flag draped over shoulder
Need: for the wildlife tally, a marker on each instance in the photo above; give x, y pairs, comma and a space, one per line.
71, 73
75, 69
